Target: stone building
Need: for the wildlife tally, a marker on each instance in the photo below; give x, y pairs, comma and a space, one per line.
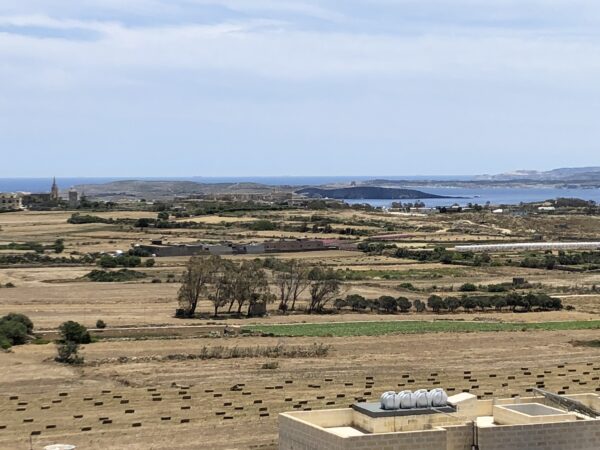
10, 201
465, 424
73, 199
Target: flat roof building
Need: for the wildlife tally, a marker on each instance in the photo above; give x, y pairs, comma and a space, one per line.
466, 423
10, 201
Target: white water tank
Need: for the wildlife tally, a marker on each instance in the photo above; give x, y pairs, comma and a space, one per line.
421, 398
406, 400
438, 397
388, 400
60, 447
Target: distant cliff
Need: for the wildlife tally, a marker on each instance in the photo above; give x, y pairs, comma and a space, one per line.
367, 192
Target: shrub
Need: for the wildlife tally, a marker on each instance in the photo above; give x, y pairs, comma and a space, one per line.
497, 288
59, 246
122, 275
22, 318
143, 222
9, 285
407, 286
74, 332
107, 262
468, 287
270, 365
150, 262
68, 353
262, 225
14, 332
4, 342
100, 323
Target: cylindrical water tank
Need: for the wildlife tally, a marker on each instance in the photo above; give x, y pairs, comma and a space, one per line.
60, 447
439, 397
388, 400
406, 400
421, 398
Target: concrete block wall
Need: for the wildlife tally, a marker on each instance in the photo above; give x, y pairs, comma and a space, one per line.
295, 434
421, 440
459, 437
580, 435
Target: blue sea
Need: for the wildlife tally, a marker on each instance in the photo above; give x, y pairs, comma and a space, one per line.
496, 196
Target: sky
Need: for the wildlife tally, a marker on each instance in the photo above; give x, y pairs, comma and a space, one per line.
297, 87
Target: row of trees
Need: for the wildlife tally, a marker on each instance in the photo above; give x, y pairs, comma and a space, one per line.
513, 301
294, 277
224, 283
437, 304
246, 285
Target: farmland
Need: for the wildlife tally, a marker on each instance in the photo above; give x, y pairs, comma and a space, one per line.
172, 386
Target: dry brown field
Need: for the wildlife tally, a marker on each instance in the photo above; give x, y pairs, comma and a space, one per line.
133, 394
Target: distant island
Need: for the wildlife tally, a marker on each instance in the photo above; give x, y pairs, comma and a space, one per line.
367, 192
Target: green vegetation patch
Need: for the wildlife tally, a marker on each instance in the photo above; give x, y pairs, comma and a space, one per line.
413, 327
115, 276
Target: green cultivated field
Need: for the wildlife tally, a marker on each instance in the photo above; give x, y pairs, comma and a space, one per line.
413, 327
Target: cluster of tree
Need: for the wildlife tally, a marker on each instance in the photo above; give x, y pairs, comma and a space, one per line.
550, 261
304, 227
217, 207
407, 206
115, 276
37, 258
15, 329
444, 256
578, 258
110, 262
437, 304
513, 301
77, 218
57, 246
293, 277
261, 225
224, 283
85, 203
385, 303
564, 202
72, 335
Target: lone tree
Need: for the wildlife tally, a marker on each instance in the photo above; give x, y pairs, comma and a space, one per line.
72, 334
199, 273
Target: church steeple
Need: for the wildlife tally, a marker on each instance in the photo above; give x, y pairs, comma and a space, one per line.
54, 195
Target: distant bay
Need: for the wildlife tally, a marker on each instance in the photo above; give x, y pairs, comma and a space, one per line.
496, 196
